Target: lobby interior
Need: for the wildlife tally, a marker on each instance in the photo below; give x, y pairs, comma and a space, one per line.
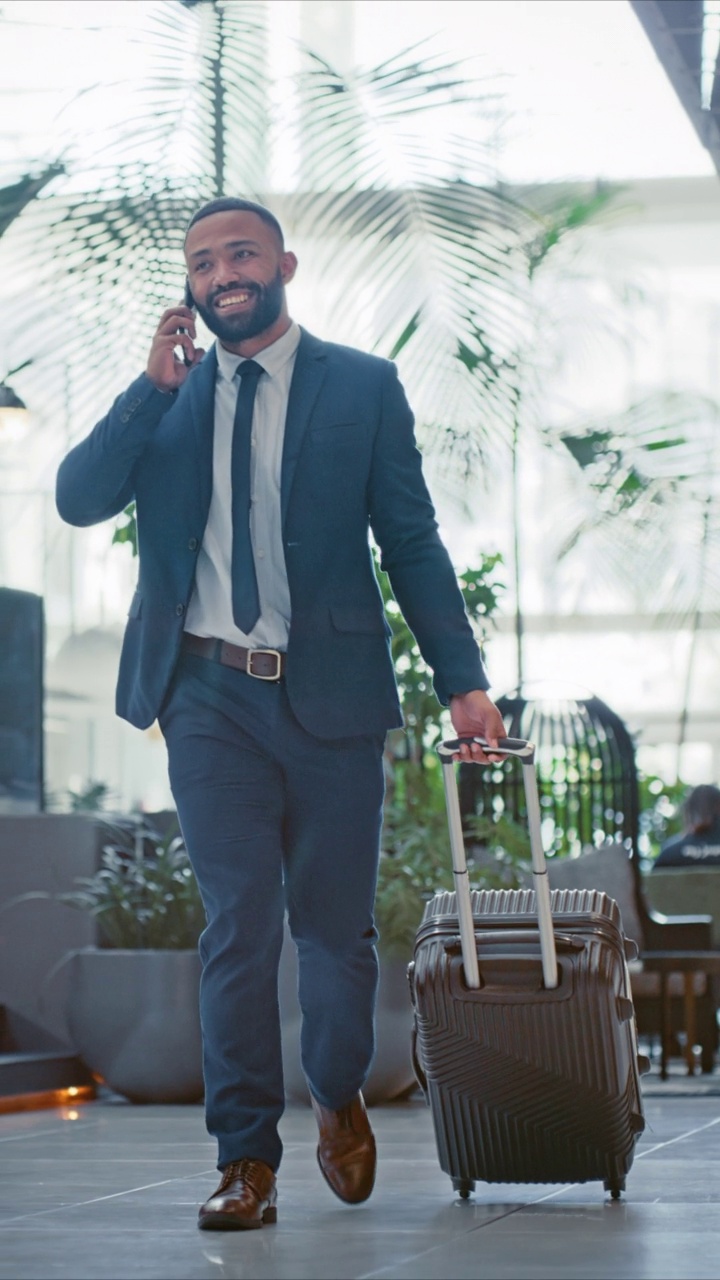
95, 1187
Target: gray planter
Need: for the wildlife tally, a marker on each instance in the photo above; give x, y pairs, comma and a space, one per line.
133, 1017
391, 1074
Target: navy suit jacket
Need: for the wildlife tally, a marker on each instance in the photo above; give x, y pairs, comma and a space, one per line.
350, 463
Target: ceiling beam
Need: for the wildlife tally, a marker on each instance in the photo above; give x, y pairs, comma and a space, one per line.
675, 30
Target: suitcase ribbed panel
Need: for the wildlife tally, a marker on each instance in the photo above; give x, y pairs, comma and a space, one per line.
528, 1085
521, 902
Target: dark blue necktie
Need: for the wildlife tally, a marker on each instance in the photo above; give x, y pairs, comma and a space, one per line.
245, 598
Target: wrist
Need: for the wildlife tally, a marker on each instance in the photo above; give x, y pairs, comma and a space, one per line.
166, 391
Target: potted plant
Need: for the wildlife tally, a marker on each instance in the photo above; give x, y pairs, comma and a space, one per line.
415, 864
133, 1003
415, 860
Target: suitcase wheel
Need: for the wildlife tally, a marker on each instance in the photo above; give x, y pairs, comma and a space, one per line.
463, 1186
615, 1186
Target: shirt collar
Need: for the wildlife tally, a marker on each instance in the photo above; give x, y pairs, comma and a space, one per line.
271, 358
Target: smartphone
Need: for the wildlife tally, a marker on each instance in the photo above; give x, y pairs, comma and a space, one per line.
189, 301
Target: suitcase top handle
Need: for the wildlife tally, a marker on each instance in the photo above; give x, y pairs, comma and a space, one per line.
518, 747
525, 752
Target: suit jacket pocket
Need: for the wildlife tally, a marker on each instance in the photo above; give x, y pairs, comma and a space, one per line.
363, 619
334, 431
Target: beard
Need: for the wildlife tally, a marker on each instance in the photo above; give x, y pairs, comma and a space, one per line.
262, 315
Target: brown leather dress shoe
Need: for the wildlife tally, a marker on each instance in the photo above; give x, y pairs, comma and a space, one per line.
245, 1199
346, 1150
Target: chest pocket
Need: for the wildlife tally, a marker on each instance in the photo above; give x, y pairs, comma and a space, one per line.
338, 457
336, 433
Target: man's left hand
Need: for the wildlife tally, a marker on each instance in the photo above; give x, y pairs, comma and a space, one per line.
474, 715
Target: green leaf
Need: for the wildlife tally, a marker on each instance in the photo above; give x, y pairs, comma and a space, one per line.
586, 449
126, 532
404, 338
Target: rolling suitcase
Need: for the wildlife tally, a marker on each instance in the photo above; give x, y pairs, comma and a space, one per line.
525, 1031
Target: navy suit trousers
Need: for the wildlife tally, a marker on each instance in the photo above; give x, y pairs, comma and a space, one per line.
275, 820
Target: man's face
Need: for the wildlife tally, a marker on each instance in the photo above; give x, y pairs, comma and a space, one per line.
238, 271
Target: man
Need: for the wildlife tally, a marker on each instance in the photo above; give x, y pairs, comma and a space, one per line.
257, 637
699, 845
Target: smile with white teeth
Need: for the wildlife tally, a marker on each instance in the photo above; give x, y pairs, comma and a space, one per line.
232, 300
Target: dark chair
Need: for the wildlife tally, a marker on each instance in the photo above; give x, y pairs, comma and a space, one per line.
589, 803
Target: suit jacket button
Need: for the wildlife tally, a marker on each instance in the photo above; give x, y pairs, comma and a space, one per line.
192, 544
180, 609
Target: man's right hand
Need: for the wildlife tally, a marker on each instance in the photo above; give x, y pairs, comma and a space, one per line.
164, 369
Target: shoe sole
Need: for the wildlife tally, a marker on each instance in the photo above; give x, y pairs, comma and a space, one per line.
227, 1222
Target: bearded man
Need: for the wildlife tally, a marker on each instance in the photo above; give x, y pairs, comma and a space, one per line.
258, 640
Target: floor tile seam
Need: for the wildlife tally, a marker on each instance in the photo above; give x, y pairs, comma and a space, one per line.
44, 1133
569, 1186
680, 1137
116, 1195
76, 1158
441, 1244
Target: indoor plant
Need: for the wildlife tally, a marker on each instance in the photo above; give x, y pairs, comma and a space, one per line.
133, 1004
415, 860
415, 863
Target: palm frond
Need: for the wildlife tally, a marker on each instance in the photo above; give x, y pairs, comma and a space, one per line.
643, 501
410, 253
18, 195
426, 254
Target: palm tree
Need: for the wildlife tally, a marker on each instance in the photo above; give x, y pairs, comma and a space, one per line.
15, 197
550, 257
413, 250
646, 512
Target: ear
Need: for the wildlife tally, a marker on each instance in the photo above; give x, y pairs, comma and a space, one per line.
188, 299
288, 267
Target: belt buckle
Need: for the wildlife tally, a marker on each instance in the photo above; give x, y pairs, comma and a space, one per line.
275, 653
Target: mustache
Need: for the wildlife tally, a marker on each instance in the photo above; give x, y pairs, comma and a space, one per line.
250, 287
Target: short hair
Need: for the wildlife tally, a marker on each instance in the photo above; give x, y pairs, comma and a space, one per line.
226, 204
702, 808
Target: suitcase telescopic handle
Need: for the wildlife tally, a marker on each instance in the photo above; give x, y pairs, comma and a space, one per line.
525, 752
507, 746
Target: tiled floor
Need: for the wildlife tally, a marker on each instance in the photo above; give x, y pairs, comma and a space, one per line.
110, 1192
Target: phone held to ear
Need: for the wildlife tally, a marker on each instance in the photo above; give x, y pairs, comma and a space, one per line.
188, 301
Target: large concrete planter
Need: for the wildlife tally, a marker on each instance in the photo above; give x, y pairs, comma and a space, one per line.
392, 1073
133, 1017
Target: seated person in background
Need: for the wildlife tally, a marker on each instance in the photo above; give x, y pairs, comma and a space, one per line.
700, 845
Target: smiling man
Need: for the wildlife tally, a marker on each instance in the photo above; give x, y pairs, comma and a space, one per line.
257, 638
257, 308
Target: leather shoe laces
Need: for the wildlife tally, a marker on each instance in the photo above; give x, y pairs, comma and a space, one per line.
244, 1170
246, 1198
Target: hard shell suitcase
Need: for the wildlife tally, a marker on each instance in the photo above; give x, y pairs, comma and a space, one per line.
525, 1029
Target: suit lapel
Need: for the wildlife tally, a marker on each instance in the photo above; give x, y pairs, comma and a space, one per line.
307, 379
201, 390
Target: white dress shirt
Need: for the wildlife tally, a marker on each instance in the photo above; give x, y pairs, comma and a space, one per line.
210, 610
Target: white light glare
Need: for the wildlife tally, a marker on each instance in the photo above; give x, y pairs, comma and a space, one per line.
710, 48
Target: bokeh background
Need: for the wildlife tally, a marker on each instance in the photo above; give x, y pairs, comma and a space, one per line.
507, 197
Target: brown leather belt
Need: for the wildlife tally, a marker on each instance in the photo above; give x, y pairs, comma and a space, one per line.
262, 664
